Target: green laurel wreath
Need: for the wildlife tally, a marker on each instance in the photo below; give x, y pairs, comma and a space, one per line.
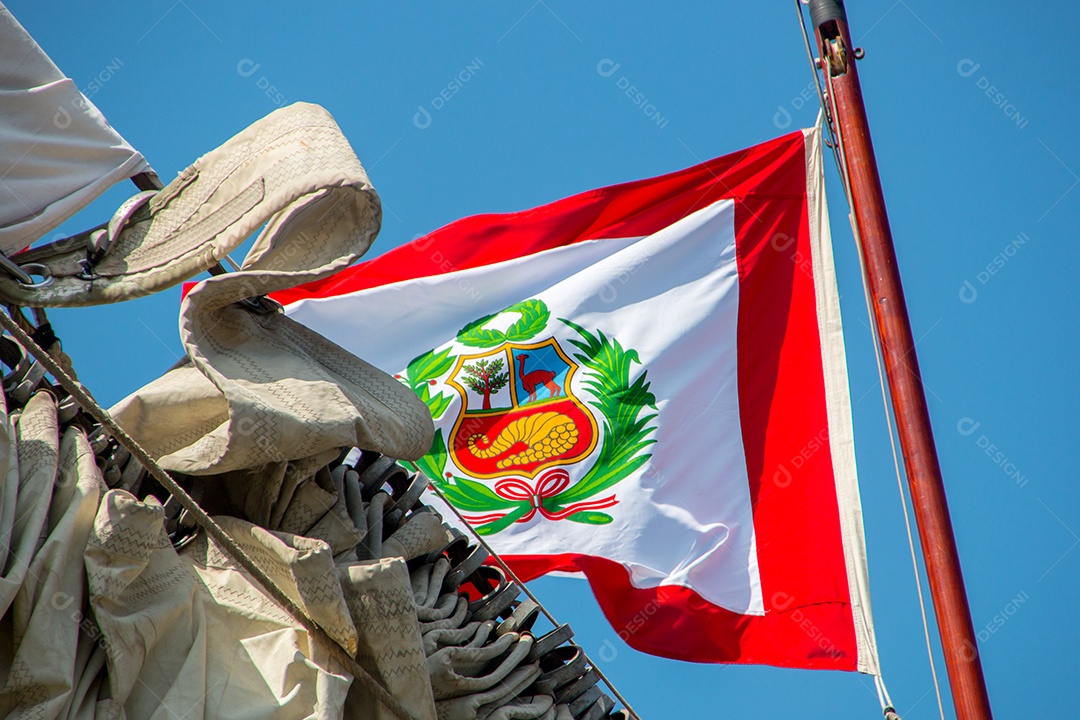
623, 404
534, 318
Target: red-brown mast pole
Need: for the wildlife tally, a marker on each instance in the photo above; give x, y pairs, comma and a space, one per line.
901, 366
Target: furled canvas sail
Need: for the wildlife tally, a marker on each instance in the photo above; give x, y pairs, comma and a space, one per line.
57, 151
119, 607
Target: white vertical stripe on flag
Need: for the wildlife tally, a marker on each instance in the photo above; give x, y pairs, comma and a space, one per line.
673, 298
838, 405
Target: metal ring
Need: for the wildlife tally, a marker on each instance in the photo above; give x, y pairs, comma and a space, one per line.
32, 269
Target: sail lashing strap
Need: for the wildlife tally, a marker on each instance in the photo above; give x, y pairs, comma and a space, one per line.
103, 239
286, 171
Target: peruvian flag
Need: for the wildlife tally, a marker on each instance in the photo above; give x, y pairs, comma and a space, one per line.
646, 384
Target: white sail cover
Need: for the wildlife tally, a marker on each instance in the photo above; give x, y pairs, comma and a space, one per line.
57, 151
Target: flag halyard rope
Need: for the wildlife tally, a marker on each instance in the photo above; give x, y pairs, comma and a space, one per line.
834, 145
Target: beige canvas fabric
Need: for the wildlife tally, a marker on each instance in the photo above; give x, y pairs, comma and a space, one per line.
259, 389
380, 602
191, 635
292, 170
50, 652
57, 151
103, 618
106, 619
30, 459
256, 387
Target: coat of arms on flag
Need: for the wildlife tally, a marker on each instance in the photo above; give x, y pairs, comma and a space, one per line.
646, 384
551, 429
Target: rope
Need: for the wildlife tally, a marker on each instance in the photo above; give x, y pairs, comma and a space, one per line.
907, 518
215, 531
883, 693
846, 182
834, 145
529, 594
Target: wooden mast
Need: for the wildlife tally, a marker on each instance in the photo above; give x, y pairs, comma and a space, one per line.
958, 638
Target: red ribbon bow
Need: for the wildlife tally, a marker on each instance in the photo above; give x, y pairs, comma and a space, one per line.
547, 486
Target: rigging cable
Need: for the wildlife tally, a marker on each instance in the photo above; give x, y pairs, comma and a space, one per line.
829, 111
820, 93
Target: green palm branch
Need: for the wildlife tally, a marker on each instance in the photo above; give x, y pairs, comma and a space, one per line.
623, 405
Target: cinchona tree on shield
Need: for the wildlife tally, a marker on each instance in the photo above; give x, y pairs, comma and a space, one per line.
485, 377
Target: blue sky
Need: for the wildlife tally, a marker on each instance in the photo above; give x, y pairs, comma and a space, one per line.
973, 116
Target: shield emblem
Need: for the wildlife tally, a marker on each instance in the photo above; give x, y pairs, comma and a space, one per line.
518, 412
